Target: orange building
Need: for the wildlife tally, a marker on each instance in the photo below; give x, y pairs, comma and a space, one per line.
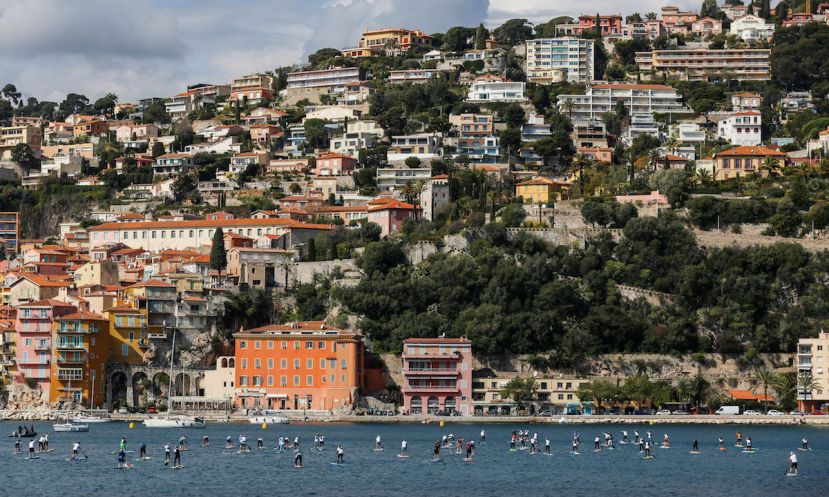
303, 365
80, 354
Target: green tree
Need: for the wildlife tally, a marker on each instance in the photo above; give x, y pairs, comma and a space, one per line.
311, 251
24, 156
323, 55
412, 162
513, 32
510, 140
520, 390
766, 378
156, 112
157, 150
183, 186
218, 254
381, 257
513, 215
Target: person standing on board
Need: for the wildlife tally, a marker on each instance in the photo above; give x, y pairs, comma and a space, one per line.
404, 448
792, 463
177, 456
340, 454
483, 436
166, 454
76, 447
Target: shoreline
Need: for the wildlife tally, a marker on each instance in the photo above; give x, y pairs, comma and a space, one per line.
318, 418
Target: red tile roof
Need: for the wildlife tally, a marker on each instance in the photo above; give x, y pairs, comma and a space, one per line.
81, 315
756, 151
152, 283
394, 204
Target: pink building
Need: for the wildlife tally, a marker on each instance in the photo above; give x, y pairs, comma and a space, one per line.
334, 165
653, 198
33, 343
437, 375
610, 25
262, 134
390, 214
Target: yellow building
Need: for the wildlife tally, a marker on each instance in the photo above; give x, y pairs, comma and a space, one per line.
743, 160
539, 190
390, 41
128, 334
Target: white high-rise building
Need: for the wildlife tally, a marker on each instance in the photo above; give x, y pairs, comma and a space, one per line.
550, 60
637, 98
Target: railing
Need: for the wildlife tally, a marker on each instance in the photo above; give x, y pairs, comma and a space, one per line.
43, 347
70, 346
431, 388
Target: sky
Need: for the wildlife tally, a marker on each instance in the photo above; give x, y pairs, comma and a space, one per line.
143, 48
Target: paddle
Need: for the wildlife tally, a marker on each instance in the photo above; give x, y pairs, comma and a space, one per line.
84, 454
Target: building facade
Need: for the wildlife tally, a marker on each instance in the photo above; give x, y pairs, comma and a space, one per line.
741, 128
496, 91
437, 376
740, 161
547, 58
33, 341
637, 98
813, 361
305, 365
80, 351
743, 64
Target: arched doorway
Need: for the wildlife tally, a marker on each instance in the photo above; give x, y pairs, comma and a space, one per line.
432, 405
200, 386
182, 384
161, 385
141, 388
417, 405
118, 383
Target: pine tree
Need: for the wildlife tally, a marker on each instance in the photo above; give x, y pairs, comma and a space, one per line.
480, 37
750, 10
218, 255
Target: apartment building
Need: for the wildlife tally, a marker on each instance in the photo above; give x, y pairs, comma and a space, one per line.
11, 136
252, 88
486, 90
476, 135
539, 190
80, 351
744, 64
325, 78
741, 128
745, 102
156, 299
350, 143
412, 76
334, 164
10, 231
262, 268
637, 98
424, 146
128, 334
610, 25
392, 178
813, 360
739, 161
677, 21
707, 26
550, 60
306, 365
389, 41
173, 163
155, 236
437, 376
559, 395
33, 341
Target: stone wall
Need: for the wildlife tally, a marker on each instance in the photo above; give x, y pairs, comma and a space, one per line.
304, 272
718, 239
560, 236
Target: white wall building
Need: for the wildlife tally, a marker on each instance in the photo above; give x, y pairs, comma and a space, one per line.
742, 128
390, 178
751, 28
424, 146
637, 98
496, 91
573, 56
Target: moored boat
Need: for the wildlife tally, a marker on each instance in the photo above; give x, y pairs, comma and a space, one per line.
175, 422
271, 420
70, 427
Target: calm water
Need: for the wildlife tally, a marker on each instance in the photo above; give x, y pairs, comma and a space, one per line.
214, 471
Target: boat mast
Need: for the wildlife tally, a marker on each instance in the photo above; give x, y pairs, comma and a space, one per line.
172, 384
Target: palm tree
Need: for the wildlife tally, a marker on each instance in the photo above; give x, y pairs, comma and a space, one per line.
806, 384
771, 166
702, 176
653, 158
766, 377
419, 186
581, 161
568, 106
408, 191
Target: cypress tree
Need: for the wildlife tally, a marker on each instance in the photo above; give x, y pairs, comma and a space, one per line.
218, 255
312, 250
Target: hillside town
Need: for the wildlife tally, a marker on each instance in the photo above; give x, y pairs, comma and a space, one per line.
604, 213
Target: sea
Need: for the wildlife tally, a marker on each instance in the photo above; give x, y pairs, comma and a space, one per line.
494, 470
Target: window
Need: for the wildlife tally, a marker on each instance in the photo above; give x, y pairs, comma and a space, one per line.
296, 345
332, 363
309, 345
284, 345
270, 363
343, 378
343, 364
309, 381
296, 363
561, 396
270, 344
257, 344
296, 380
243, 344
125, 349
257, 364
322, 363
283, 363
243, 381
283, 381
257, 381
309, 364
270, 380
244, 363
321, 345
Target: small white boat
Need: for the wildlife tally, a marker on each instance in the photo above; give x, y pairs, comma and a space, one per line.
89, 419
271, 420
175, 422
70, 426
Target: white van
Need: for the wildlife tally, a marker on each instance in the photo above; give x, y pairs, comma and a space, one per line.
728, 411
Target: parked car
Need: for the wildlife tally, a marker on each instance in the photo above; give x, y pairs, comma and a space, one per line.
152, 410
796, 412
751, 412
817, 413
546, 413
123, 410
679, 412
642, 412
774, 412
663, 412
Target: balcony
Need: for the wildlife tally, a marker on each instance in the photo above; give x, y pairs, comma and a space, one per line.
35, 360
70, 346
432, 372
431, 389
72, 360
43, 347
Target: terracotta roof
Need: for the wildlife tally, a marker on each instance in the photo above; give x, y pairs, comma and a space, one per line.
175, 156
441, 176
675, 158
540, 181
198, 223
131, 215
393, 204
750, 150
44, 281
81, 315
437, 340
47, 303
747, 113
122, 308
345, 208
334, 155
152, 283
746, 95
298, 326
